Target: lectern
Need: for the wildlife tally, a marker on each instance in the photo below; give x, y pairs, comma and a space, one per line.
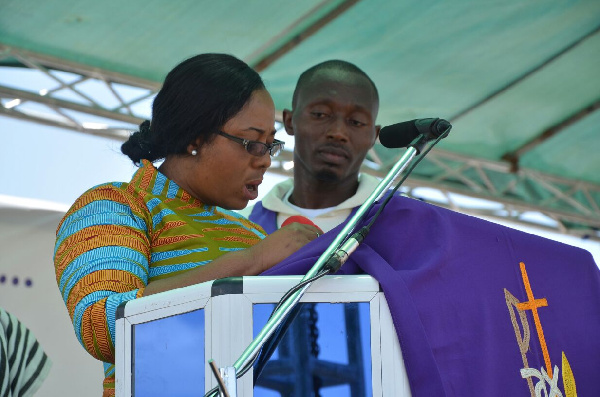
341, 343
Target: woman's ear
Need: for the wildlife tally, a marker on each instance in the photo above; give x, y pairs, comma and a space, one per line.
194, 148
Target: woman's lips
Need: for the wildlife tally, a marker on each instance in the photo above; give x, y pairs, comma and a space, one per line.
251, 190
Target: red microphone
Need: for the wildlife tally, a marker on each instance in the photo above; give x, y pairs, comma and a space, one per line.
300, 219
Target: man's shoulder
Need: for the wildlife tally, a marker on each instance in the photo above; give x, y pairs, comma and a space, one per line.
368, 181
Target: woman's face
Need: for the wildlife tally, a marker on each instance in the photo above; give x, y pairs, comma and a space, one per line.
224, 173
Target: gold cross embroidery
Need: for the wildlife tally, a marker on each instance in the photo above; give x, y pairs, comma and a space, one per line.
533, 304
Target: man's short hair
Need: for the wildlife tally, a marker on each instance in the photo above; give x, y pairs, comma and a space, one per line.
334, 64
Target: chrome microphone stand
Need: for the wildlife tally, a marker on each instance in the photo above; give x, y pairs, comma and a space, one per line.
333, 257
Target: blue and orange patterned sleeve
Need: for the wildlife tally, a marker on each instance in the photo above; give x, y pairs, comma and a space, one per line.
101, 259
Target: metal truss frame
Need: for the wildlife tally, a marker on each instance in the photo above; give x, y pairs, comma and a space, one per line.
568, 207
59, 111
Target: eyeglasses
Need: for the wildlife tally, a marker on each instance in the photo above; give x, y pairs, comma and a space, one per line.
256, 148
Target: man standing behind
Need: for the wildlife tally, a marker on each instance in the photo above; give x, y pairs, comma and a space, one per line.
333, 114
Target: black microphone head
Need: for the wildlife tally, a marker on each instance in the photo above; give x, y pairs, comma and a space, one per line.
402, 134
399, 134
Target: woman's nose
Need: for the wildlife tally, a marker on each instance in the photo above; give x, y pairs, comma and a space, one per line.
263, 161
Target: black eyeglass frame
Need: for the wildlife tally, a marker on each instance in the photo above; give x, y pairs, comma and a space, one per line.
276, 145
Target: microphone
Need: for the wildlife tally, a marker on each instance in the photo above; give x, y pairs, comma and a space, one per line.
300, 219
402, 134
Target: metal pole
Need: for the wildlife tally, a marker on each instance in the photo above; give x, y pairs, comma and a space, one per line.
279, 315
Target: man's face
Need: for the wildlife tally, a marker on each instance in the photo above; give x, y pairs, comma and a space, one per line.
333, 122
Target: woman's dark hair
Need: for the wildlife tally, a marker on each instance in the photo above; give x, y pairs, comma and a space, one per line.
197, 98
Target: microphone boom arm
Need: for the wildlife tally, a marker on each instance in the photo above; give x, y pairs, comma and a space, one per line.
279, 315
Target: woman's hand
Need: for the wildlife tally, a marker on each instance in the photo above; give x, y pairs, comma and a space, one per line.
282, 243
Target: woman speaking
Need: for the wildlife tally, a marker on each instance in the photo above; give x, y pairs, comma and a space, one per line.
172, 226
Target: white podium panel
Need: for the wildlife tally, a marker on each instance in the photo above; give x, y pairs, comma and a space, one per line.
341, 342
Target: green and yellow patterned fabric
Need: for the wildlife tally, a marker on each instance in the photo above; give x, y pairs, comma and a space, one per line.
118, 237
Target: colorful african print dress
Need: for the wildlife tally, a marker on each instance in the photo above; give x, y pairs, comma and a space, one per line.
117, 237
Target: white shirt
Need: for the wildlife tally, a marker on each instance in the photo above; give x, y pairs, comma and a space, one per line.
326, 218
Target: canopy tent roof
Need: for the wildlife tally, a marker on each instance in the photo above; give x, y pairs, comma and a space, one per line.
519, 81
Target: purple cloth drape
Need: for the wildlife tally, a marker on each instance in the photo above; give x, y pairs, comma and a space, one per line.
444, 275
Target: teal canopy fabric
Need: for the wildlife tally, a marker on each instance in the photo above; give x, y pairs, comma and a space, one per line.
520, 81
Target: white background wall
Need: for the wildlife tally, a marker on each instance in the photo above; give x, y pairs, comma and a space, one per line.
26, 246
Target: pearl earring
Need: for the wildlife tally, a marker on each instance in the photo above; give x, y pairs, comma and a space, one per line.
194, 152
